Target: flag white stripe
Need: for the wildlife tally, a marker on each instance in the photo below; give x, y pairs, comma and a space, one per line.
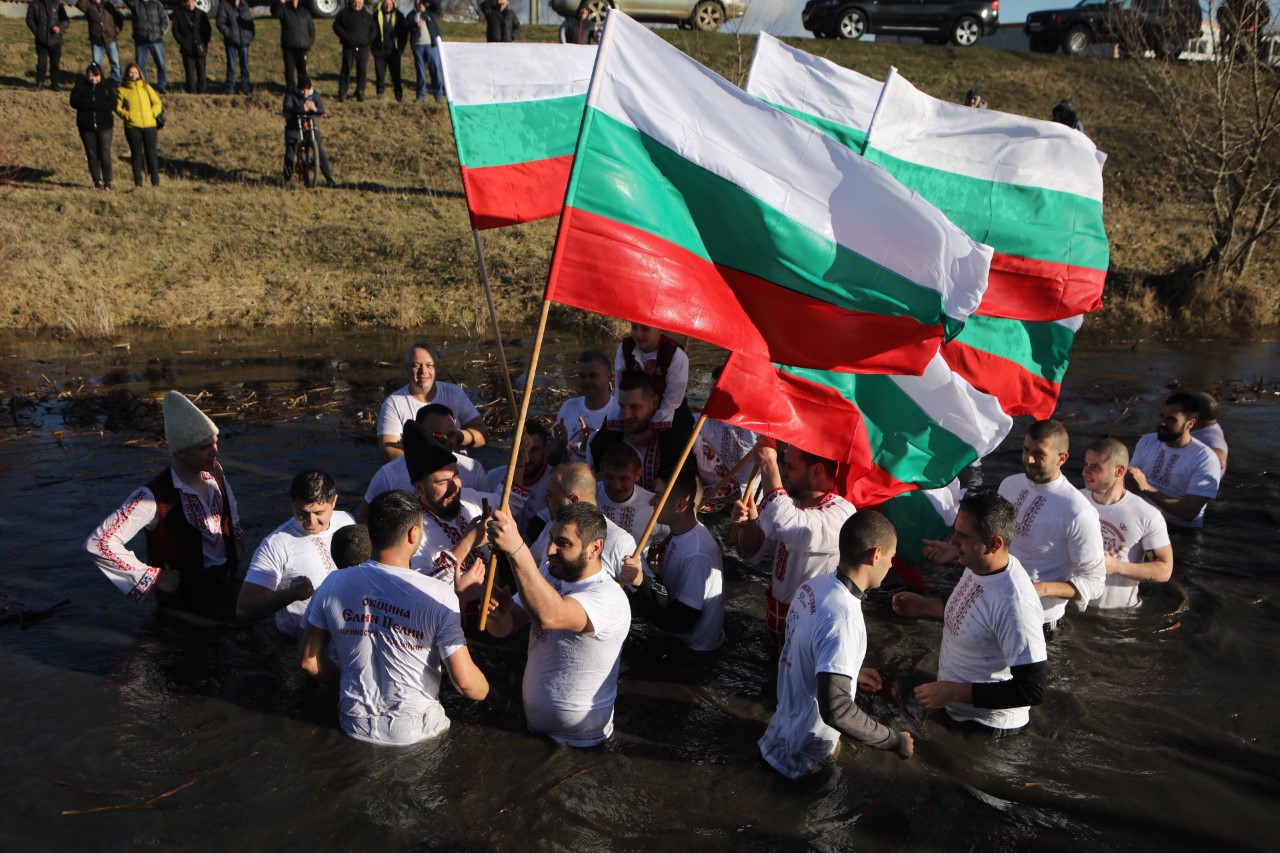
477, 74
791, 78
957, 407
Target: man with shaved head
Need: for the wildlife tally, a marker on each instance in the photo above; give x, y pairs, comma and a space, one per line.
572, 483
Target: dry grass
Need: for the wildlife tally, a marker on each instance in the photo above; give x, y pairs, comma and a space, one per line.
223, 243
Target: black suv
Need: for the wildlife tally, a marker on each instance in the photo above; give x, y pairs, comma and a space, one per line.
961, 22
1161, 26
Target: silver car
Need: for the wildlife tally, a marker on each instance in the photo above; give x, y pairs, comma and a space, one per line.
706, 15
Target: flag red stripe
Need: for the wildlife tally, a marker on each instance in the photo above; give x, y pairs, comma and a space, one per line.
1026, 289
1019, 391
520, 192
609, 267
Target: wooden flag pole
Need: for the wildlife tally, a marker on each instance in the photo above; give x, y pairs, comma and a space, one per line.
666, 493
516, 438
727, 477
497, 335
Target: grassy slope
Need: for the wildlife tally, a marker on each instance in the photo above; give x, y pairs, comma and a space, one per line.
221, 242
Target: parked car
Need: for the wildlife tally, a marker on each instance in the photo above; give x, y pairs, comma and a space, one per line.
1161, 26
319, 8
961, 22
705, 15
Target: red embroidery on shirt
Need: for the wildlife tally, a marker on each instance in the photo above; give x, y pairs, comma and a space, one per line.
1025, 522
780, 562
108, 535
963, 597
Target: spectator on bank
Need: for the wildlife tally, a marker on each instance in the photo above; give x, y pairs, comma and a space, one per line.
104, 21
388, 44
578, 30
501, 22
192, 32
150, 21
424, 38
973, 98
235, 22
297, 35
355, 28
47, 21
138, 104
1064, 112
94, 100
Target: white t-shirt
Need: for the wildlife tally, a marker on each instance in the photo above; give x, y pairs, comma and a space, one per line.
805, 543
1056, 537
287, 553
825, 633
401, 406
693, 573
721, 446
1211, 436
991, 623
571, 680
570, 411
1130, 528
395, 475
672, 396
526, 501
389, 631
632, 515
1178, 472
618, 545
434, 556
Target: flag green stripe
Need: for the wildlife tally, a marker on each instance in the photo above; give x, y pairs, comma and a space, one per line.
845, 135
1042, 224
516, 131
904, 440
622, 174
1043, 349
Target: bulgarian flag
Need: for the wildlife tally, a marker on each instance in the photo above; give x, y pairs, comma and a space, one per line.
1021, 362
698, 209
516, 109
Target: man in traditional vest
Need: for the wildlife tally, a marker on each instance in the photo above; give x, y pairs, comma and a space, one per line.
648, 352
638, 403
192, 525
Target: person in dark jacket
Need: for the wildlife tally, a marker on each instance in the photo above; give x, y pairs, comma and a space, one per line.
355, 28
578, 30
94, 100
501, 22
297, 35
1064, 112
47, 21
150, 21
299, 102
192, 32
423, 33
388, 44
235, 22
104, 21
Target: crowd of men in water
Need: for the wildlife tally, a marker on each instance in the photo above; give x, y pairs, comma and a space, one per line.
414, 556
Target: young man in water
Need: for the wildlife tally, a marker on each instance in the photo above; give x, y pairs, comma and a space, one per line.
1173, 470
822, 657
192, 525
619, 494
571, 483
579, 417
658, 449
991, 668
421, 363
390, 629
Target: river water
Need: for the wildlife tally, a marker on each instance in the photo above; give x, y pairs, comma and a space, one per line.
1158, 729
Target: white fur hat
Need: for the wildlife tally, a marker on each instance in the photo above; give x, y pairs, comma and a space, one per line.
185, 425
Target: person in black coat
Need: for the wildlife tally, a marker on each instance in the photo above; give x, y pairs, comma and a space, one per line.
47, 21
192, 32
388, 45
297, 35
355, 28
501, 23
94, 100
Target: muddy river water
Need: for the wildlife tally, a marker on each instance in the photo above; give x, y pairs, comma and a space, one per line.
1158, 730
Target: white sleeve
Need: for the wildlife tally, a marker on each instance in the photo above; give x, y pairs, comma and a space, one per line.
377, 485
266, 569
1204, 482
388, 421
781, 521
673, 394
108, 545
464, 411
1088, 558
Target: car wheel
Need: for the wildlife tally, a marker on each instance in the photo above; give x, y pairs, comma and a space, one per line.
1075, 42
707, 16
325, 8
596, 10
209, 7
966, 32
852, 24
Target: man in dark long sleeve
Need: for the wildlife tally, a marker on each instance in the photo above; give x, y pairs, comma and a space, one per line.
821, 660
297, 35
192, 32
355, 28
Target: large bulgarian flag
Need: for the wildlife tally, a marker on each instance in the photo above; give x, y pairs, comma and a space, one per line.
516, 109
698, 209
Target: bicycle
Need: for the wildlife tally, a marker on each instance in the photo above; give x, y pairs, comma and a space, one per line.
305, 162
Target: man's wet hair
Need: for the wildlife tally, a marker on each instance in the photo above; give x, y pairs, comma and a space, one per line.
312, 487
594, 355
390, 516
862, 532
992, 515
1112, 450
1186, 401
408, 354
587, 518
1050, 430
620, 455
636, 381
351, 546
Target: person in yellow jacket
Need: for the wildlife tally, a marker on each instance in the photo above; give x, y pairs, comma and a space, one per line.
138, 104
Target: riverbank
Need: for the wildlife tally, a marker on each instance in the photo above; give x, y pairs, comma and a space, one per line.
223, 243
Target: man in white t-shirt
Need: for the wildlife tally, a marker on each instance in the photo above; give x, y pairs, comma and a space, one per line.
688, 601
797, 525
1172, 470
619, 494
293, 560
529, 486
720, 448
578, 619
569, 483
658, 449
822, 657
438, 422
1208, 431
422, 362
991, 668
1134, 534
389, 630
579, 417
